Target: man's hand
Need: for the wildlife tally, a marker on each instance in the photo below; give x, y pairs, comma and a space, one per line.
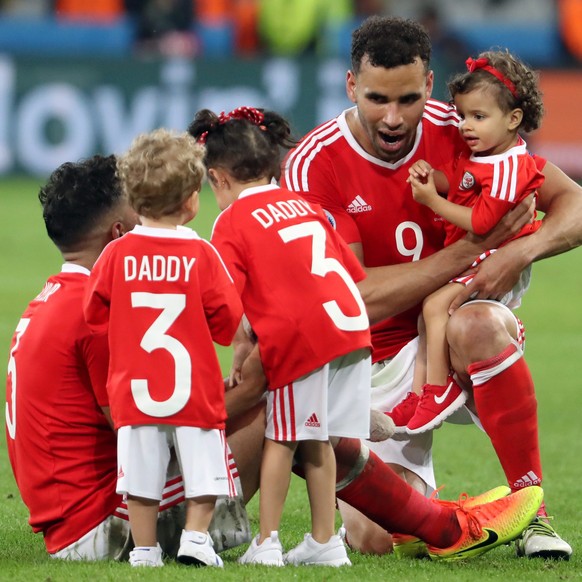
499, 273
243, 343
245, 394
494, 277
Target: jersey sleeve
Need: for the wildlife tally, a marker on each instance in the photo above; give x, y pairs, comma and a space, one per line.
540, 162
349, 259
317, 182
222, 304
499, 194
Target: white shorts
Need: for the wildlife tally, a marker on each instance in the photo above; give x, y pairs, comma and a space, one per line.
143, 455
111, 539
391, 382
333, 400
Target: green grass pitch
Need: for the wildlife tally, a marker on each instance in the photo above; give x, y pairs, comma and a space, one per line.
464, 458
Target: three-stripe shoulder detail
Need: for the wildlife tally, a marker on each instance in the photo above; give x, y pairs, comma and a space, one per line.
297, 166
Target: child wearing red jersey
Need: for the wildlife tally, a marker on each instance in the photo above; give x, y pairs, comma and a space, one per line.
496, 98
296, 280
163, 296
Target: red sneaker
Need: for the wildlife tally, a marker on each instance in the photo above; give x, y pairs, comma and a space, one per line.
403, 412
436, 403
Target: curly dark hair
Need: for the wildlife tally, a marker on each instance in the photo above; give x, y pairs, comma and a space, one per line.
76, 197
246, 150
389, 42
528, 96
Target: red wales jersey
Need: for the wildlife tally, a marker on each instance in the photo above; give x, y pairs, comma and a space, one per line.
296, 279
163, 296
493, 185
370, 201
62, 450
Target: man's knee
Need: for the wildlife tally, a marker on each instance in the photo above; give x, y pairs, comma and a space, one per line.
415, 481
479, 331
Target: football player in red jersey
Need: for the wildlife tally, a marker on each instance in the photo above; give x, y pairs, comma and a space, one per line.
61, 445
356, 166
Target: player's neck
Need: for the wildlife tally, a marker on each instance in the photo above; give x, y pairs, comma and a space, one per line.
82, 258
167, 222
238, 187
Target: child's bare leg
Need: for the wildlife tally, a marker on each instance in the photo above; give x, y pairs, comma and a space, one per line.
143, 519
435, 311
319, 465
199, 512
419, 378
275, 479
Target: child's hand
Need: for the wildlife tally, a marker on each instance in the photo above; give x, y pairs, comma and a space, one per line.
423, 191
420, 170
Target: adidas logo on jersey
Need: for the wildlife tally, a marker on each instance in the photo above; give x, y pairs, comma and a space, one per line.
358, 205
526, 480
313, 421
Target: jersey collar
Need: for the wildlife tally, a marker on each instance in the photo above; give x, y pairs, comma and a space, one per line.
74, 268
349, 136
519, 149
182, 232
258, 190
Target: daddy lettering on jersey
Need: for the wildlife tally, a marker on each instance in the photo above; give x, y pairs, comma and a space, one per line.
158, 268
282, 210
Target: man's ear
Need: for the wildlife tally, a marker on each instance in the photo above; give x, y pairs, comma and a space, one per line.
351, 85
429, 83
117, 230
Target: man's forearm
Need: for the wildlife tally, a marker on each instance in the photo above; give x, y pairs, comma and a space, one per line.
561, 229
393, 289
244, 396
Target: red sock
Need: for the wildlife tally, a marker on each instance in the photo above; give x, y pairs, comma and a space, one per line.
381, 495
506, 404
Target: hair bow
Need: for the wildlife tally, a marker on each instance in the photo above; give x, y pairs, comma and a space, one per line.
251, 114
483, 63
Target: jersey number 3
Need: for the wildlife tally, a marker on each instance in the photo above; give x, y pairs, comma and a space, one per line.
321, 266
171, 304
11, 392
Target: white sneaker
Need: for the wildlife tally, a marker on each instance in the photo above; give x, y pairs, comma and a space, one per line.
539, 540
146, 556
310, 552
196, 549
269, 553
